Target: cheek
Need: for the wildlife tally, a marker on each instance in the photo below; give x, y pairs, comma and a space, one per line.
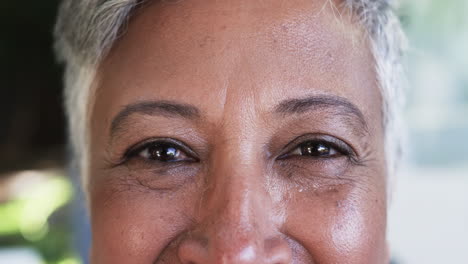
131, 224
359, 230
344, 225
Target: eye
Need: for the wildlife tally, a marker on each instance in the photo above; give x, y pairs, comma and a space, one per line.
160, 164
315, 149
320, 146
161, 151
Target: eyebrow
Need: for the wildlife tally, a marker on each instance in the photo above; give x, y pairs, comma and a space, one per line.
173, 109
165, 108
321, 102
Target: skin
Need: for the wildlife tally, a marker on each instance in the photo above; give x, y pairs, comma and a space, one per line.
238, 86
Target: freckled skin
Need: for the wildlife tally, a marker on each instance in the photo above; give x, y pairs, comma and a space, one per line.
239, 201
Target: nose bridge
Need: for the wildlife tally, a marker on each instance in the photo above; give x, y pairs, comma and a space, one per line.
237, 223
236, 206
237, 197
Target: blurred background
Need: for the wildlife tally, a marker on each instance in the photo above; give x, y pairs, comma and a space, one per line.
42, 219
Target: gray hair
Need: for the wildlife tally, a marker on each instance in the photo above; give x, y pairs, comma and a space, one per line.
87, 29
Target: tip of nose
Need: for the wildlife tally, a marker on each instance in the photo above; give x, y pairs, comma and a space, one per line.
247, 255
194, 252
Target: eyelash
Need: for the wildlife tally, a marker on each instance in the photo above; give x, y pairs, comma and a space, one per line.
180, 147
340, 147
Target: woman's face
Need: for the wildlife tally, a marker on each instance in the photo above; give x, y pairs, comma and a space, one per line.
238, 132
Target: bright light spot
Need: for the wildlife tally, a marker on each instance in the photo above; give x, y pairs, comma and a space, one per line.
35, 195
247, 254
69, 261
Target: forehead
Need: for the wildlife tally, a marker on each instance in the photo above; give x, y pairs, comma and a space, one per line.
222, 54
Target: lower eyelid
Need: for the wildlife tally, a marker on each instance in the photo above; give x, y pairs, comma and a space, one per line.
142, 164
314, 168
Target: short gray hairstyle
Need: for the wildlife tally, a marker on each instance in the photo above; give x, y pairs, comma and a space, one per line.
87, 29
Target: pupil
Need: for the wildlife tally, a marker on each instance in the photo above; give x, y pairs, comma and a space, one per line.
163, 152
315, 149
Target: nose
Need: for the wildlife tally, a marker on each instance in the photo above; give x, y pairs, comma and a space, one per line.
238, 221
196, 250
